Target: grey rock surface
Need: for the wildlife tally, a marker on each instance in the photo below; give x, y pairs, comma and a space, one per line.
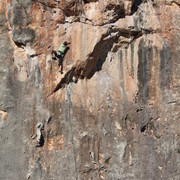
113, 113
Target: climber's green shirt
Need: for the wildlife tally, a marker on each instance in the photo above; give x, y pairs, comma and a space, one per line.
62, 48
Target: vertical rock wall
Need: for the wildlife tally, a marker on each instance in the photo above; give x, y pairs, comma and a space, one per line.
113, 113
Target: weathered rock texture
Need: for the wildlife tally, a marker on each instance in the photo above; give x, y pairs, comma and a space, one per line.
114, 112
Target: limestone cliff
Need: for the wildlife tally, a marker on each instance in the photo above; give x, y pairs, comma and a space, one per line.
114, 112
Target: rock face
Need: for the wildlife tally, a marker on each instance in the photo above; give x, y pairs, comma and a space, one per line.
113, 113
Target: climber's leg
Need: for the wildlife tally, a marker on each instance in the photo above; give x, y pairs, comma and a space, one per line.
55, 54
61, 64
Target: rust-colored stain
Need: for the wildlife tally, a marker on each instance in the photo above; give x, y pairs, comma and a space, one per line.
50, 144
56, 143
60, 142
4, 115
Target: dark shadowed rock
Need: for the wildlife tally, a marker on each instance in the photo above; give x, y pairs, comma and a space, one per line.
18, 16
23, 36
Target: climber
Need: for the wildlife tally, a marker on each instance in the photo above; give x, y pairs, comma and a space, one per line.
60, 53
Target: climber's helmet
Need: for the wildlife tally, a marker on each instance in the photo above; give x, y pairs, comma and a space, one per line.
65, 43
